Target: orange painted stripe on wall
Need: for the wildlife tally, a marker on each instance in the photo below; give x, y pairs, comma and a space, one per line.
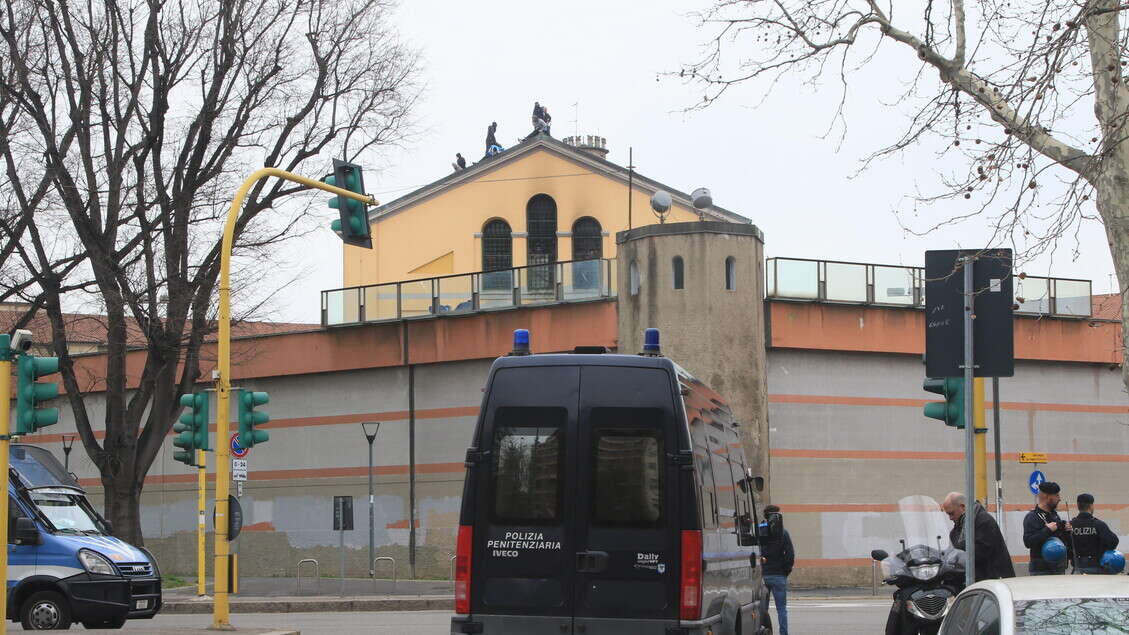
326, 472
863, 562
843, 400
816, 508
1067, 457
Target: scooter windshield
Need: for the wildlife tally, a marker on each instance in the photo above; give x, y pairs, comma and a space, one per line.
926, 528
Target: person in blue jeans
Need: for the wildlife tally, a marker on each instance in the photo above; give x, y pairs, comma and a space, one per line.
777, 559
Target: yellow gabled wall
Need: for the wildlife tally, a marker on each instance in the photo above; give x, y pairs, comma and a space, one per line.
442, 228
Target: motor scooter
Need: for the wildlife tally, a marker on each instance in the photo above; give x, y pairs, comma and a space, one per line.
927, 572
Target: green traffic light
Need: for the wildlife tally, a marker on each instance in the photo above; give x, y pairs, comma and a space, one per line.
249, 418
352, 223
951, 411
30, 393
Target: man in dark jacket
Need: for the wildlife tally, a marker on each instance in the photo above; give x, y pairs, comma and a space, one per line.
1091, 537
778, 558
992, 557
1040, 525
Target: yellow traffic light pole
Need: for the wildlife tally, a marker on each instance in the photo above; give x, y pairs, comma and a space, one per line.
201, 527
981, 434
221, 605
5, 413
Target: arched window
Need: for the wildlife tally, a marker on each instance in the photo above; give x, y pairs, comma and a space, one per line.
541, 241
730, 273
497, 255
587, 246
633, 278
677, 270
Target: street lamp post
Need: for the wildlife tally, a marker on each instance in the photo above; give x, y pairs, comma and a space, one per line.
370, 428
68, 443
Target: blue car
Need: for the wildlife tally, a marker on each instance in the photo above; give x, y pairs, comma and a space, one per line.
64, 565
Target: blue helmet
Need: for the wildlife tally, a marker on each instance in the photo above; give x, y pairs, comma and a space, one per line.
1054, 550
1113, 561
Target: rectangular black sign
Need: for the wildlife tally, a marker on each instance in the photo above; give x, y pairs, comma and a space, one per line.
992, 336
343, 513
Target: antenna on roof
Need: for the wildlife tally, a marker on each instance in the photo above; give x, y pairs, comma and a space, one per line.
576, 119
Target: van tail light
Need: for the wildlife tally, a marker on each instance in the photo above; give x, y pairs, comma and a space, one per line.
690, 597
462, 569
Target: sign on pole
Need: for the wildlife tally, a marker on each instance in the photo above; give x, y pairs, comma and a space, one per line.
239, 469
342, 513
238, 451
1036, 479
1032, 457
992, 339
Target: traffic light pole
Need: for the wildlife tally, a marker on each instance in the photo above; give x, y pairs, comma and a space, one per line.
981, 442
201, 527
5, 413
221, 605
969, 426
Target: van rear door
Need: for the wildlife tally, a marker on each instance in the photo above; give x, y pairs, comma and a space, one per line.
521, 573
627, 537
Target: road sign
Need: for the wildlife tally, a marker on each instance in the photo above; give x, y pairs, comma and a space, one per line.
239, 469
237, 450
992, 339
1032, 457
234, 518
342, 513
1037, 478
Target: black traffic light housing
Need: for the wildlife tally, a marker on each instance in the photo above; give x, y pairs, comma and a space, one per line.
353, 224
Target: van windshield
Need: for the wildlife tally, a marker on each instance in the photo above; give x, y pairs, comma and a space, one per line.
528, 456
65, 512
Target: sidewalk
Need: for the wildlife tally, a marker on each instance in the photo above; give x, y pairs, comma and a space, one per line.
278, 595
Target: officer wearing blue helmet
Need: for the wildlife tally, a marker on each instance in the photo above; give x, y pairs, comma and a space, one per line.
1091, 537
1041, 525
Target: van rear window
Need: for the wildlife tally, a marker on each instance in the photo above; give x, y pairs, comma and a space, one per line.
628, 475
528, 464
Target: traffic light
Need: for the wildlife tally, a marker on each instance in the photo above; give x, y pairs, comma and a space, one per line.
353, 226
192, 429
249, 418
29, 393
951, 410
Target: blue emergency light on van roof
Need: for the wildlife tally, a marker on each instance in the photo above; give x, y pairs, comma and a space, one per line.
521, 342
651, 342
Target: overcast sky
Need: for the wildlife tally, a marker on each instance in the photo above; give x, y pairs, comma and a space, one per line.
764, 159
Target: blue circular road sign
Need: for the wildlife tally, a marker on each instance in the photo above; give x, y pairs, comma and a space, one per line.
1037, 477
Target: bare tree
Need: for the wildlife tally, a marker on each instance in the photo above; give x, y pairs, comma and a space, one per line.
1029, 98
125, 127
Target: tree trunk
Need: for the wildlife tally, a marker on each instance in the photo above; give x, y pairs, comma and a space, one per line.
123, 499
1112, 188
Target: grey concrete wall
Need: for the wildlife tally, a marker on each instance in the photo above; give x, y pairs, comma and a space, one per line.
715, 333
840, 468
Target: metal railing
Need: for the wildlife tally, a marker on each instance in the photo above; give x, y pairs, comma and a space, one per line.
386, 559
834, 281
317, 574
459, 294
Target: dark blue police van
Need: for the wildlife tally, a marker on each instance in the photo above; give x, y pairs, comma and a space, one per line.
606, 494
64, 565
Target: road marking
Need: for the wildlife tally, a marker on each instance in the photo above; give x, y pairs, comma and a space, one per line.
809, 604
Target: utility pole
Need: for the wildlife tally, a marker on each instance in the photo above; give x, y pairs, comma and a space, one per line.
967, 263
201, 526
6, 355
981, 430
999, 452
374, 426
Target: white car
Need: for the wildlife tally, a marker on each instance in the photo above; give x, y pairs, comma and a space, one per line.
1042, 605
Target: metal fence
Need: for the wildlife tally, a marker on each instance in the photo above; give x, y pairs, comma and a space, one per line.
569, 281
892, 285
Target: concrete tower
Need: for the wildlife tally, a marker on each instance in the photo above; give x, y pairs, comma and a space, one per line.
701, 285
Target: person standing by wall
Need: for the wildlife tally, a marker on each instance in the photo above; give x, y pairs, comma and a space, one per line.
777, 557
1091, 537
1040, 525
992, 557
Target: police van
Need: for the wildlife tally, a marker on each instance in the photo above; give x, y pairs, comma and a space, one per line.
606, 494
63, 564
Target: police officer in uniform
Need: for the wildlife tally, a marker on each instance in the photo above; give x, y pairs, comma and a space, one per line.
1040, 525
1091, 536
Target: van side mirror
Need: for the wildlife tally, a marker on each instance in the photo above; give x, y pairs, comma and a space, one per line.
26, 531
879, 555
758, 483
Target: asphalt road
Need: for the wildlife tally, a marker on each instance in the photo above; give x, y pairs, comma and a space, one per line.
806, 616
